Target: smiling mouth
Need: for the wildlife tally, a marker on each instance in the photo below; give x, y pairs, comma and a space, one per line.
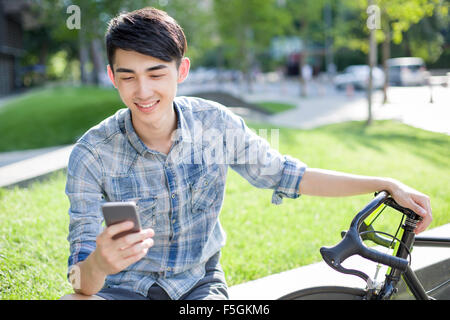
147, 107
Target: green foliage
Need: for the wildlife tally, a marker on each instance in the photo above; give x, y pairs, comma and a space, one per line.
236, 34
247, 27
401, 18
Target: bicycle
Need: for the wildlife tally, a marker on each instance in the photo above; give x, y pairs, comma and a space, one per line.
402, 243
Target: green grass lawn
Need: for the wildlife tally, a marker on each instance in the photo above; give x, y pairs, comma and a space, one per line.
54, 116
60, 115
262, 238
275, 107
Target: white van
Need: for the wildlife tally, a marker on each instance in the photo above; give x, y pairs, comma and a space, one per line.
407, 71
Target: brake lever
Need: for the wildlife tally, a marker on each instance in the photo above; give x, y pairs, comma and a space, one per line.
345, 250
407, 212
360, 274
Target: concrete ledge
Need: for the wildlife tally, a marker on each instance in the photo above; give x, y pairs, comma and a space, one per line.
424, 261
34, 167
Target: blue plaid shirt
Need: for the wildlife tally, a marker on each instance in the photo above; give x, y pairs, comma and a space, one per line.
179, 195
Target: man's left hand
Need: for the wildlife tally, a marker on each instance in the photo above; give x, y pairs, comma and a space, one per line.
416, 201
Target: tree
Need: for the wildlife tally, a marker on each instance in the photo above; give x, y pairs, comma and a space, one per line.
397, 17
85, 43
309, 26
246, 29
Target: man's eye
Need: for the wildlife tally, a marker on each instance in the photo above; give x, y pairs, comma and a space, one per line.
128, 78
155, 76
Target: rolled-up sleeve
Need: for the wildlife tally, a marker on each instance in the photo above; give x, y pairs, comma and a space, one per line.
83, 188
260, 164
289, 186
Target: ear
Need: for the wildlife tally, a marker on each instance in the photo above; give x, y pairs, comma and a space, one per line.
183, 69
111, 75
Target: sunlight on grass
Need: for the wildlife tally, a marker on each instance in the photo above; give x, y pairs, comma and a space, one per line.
262, 238
54, 116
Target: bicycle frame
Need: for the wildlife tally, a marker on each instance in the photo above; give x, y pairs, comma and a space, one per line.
352, 244
402, 249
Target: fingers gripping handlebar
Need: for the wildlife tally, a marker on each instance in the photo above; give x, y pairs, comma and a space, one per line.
352, 244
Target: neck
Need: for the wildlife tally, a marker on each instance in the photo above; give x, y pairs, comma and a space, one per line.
157, 133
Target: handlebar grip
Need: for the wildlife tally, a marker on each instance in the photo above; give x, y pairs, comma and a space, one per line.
350, 245
375, 256
335, 255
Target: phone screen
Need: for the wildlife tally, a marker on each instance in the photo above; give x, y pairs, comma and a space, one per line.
117, 212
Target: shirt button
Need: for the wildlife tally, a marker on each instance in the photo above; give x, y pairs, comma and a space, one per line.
173, 195
173, 221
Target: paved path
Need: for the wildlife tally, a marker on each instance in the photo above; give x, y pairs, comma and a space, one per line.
325, 105
29, 165
320, 274
407, 105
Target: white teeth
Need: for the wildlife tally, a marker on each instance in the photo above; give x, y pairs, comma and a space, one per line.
148, 105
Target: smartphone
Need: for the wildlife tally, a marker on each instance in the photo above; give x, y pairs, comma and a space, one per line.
116, 212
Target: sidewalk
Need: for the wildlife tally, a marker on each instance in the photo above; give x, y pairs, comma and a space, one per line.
23, 166
320, 274
324, 105
316, 110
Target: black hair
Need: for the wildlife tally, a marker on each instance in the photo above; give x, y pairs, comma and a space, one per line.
148, 31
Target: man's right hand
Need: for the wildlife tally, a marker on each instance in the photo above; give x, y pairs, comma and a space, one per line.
112, 256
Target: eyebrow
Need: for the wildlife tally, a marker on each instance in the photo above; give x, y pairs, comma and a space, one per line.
158, 67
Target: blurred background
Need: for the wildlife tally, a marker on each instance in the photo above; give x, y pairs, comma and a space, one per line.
231, 40
277, 52
317, 70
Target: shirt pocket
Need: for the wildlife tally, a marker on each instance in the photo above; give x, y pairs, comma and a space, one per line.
146, 209
125, 189
205, 193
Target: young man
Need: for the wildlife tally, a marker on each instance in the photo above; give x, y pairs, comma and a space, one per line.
170, 155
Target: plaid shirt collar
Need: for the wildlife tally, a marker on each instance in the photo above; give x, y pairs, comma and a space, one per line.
181, 134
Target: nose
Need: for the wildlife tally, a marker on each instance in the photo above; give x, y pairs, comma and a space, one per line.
144, 90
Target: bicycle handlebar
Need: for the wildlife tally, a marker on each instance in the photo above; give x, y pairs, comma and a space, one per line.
352, 244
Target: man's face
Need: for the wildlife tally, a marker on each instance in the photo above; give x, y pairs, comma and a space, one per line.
146, 84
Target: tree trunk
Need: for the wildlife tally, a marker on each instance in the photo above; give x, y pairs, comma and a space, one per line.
386, 56
100, 75
84, 58
244, 44
372, 63
303, 57
43, 55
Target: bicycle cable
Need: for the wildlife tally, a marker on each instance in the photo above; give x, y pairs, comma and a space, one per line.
398, 229
393, 238
396, 232
387, 250
438, 287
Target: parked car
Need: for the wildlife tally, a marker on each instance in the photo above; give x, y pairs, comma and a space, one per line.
358, 77
407, 71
